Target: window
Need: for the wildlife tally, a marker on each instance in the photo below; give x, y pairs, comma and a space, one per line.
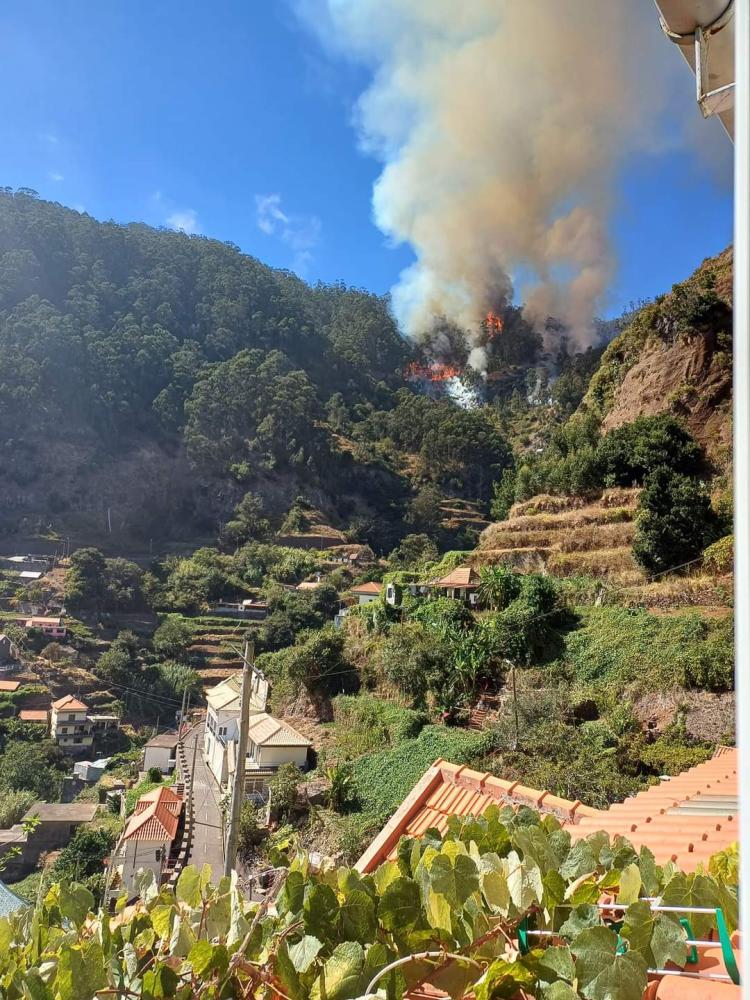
64, 729
78, 739
158, 853
71, 716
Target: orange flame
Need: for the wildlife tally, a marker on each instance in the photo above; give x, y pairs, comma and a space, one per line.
494, 324
434, 372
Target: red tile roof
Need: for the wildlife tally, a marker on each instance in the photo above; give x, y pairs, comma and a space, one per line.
685, 819
70, 704
367, 588
462, 576
32, 715
156, 816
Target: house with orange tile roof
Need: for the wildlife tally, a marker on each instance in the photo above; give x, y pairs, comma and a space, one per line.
149, 835
53, 628
70, 726
462, 584
37, 715
685, 819
366, 593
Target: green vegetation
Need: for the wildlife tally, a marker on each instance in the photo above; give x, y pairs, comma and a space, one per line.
675, 521
331, 935
620, 646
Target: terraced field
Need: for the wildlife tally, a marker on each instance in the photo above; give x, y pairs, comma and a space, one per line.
571, 537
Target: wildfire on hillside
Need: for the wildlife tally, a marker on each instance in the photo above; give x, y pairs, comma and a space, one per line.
435, 371
494, 324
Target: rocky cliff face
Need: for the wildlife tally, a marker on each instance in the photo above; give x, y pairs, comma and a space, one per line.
676, 356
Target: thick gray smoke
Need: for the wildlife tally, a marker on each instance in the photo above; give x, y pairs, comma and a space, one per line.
501, 125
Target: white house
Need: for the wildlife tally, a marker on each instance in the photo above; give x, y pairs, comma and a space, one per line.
161, 752
90, 771
223, 715
462, 584
271, 742
70, 726
366, 593
148, 837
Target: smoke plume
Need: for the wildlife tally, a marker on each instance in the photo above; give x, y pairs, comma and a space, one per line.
501, 125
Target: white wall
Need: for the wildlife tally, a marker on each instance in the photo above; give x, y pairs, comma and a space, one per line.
157, 757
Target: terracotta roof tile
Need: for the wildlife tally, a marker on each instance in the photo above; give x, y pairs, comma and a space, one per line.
686, 819
462, 576
367, 588
156, 816
70, 704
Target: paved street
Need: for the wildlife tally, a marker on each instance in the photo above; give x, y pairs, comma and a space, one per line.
207, 846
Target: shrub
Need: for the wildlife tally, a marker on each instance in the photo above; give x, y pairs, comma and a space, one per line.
283, 788
14, 805
675, 521
719, 557
629, 453
365, 723
154, 775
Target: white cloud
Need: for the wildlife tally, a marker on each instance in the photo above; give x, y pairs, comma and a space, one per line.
50, 138
301, 233
55, 176
184, 219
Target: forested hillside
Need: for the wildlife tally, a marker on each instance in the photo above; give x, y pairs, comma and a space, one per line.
149, 379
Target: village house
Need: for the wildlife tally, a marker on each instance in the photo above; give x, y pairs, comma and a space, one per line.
366, 593
223, 714
462, 584
53, 628
70, 725
55, 824
161, 752
270, 744
90, 771
103, 722
34, 715
147, 841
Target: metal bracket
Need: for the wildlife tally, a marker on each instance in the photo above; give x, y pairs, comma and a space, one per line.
709, 101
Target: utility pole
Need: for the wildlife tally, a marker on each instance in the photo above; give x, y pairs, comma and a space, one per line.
238, 784
182, 709
512, 666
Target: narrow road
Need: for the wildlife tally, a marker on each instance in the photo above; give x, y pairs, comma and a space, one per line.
207, 846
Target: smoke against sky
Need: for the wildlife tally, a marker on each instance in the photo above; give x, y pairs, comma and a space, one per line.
501, 125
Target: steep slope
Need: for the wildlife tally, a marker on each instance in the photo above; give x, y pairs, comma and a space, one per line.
675, 356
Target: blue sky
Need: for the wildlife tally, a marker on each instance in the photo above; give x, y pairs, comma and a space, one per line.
228, 119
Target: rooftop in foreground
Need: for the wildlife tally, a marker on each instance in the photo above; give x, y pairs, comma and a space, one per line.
685, 819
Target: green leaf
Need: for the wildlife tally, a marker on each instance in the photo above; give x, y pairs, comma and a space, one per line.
524, 883
580, 861
288, 974
659, 937
558, 962
554, 890
594, 949
321, 910
503, 980
304, 952
340, 978
438, 911
630, 884
559, 991
358, 921
383, 876
291, 897
494, 879
160, 981
75, 902
625, 979
455, 878
161, 920
201, 957
580, 918
400, 906
80, 972
189, 886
